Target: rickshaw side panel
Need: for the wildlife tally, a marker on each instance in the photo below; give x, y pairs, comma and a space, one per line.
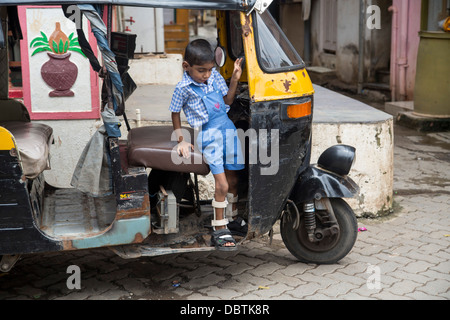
130, 183
271, 95
18, 232
132, 219
268, 193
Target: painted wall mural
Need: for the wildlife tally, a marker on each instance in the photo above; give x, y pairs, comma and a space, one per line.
58, 81
58, 72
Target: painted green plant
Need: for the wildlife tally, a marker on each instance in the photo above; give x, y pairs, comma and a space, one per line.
64, 44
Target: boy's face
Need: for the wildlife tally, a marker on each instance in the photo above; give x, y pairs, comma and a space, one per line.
199, 73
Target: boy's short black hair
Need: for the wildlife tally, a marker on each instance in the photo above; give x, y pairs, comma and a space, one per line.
199, 52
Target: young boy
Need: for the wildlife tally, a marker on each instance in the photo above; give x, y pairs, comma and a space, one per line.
205, 99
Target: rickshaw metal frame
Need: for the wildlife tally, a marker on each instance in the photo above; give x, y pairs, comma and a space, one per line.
240, 5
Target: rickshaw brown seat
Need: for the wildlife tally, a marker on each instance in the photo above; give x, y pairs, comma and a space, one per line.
33, 141
152, 147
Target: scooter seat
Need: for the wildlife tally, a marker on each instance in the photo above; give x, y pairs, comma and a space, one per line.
33, 141
152, 147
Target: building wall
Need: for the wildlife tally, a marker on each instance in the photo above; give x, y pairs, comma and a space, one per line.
405, 44
346, 57
146, 23
378, 42
347, 52
318, 56
292, 24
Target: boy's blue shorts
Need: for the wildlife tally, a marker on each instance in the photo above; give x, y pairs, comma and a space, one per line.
221, 149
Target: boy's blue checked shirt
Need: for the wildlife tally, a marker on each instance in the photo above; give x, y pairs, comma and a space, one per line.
185, 98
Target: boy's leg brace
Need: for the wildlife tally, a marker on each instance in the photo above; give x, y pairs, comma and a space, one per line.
231, 200
217, 205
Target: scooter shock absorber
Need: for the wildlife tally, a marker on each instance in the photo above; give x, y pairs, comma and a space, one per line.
310, 219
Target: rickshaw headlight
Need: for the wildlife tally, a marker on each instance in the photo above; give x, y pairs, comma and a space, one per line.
338, 159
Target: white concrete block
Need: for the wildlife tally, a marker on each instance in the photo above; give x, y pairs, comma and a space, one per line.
157, 69
373, 169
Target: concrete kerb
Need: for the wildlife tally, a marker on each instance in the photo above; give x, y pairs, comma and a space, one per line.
339, 119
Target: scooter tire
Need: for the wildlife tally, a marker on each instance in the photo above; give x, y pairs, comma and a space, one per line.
329, 252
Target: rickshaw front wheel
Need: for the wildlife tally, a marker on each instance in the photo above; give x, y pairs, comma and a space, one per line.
330, 248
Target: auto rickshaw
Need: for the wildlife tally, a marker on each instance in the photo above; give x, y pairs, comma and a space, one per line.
155, 208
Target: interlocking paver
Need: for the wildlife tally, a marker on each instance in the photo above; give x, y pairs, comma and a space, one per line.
273, 291
265, 269
402, 287
438, 287
220, 293
417, 266
304, 290
201, 282
338, 288
237, 269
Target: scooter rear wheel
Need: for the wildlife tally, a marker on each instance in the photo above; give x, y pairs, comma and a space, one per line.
331, 248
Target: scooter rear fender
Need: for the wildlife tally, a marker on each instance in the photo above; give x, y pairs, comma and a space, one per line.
315, 183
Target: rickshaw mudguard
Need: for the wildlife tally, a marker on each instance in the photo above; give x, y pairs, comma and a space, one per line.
315, 183
269, 190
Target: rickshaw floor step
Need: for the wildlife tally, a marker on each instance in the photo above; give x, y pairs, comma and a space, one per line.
71, 213
136, 251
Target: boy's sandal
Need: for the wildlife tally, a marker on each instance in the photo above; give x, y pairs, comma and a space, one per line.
221, 237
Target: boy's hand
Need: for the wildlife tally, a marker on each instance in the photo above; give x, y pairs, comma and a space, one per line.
184, 148
236, 76
237, 72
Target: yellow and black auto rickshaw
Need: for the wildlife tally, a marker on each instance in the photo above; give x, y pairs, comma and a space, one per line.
154, 208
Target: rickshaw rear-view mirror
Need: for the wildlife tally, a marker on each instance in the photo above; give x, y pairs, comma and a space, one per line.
220, 56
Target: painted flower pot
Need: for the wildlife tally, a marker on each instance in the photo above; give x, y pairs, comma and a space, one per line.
60, 74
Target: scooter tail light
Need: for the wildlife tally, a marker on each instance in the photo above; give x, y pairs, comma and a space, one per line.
299, 110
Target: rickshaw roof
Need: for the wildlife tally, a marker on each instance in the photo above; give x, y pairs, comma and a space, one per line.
241, 5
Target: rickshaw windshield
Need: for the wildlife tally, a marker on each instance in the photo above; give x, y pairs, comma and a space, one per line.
275, 52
